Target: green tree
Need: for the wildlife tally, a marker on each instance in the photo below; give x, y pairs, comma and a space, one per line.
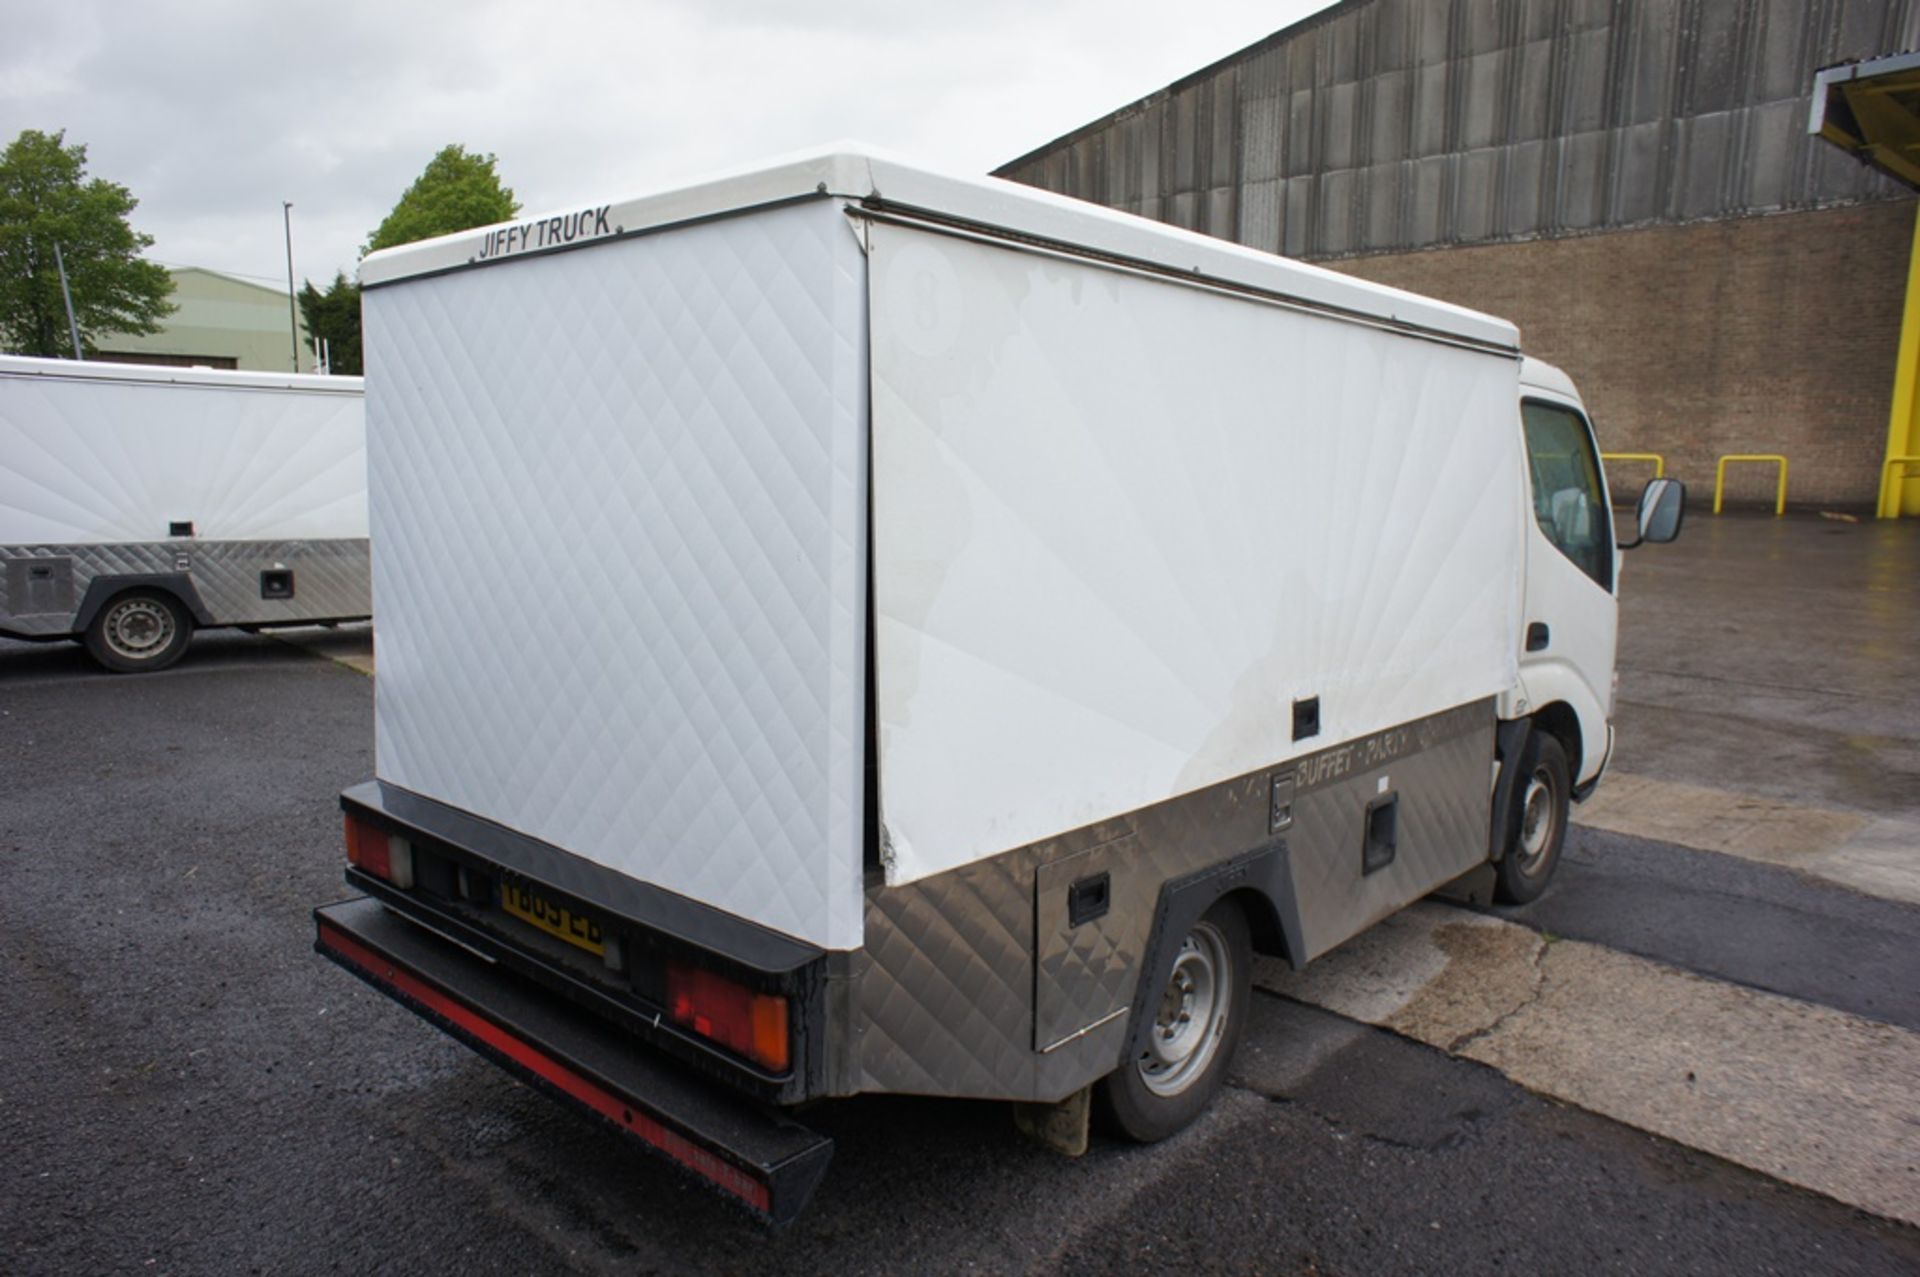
335, 316
46, 199
457, 191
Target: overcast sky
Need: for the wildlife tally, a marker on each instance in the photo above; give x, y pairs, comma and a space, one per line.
215, 111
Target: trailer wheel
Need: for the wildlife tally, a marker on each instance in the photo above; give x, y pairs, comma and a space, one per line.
1541, 791
139, 631
1198, 1017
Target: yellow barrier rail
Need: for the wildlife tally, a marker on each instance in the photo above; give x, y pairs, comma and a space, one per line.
1890, 480
1659, 462
1720, 477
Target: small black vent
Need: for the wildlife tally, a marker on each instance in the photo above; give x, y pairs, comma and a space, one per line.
1306, 718
276, 583
180, 528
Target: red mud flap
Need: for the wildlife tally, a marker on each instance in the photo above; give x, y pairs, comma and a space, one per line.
762, 1161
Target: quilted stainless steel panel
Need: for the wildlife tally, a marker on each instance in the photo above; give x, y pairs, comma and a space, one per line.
947, 996
38, 586
1441, 768
947, 1002
945, 1005
619, 505
1084, 973
331, 579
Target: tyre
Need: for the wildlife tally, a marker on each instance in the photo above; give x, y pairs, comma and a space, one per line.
139, 631
1540, 792
1198, 1017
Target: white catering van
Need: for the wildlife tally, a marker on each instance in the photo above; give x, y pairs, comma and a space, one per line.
140, 503
850, 629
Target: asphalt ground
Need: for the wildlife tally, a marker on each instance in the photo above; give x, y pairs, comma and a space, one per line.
1751, 924
185, 1087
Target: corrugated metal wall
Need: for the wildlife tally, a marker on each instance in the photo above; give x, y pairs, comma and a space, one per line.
1390, 125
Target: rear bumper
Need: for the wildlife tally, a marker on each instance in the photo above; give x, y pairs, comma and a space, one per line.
654, 925
760, 1160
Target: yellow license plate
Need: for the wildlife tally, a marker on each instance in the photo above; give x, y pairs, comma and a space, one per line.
528, 905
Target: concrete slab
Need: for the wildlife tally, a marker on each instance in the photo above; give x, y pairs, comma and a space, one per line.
1821, 1099
1432, 972
1814, 1096
1763, 926
1735, 824
349, 645
1882, 859
1876, 855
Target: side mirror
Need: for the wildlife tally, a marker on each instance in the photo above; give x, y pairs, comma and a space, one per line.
1663, 507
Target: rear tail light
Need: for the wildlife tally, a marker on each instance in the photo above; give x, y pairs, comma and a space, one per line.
373, 850
729, 1013
368, 849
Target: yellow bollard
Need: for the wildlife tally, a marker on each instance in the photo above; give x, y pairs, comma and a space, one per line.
1659, 462
1720, 477
1892, 475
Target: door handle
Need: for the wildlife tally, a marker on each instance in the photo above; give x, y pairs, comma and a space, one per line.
1537, 637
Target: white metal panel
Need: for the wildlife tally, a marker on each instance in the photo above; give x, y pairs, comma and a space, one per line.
94, 453
1120, 524
858, 172
619, 524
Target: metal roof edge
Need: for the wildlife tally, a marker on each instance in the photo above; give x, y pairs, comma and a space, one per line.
857, 173
172, 374
840, 169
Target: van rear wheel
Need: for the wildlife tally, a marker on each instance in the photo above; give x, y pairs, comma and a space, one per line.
139, 631
1198, 1015
1541, 792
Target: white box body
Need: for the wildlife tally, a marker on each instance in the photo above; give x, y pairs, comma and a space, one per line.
1123, 493
104, 453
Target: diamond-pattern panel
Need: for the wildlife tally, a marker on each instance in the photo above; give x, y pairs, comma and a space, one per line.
947, 1001
1445, 808
1086, 972
618, 496
330, 578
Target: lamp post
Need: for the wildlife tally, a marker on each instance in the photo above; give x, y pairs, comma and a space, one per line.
73, 326
293, 314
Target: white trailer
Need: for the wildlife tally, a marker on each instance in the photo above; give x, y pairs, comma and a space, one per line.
139, 503
848, 629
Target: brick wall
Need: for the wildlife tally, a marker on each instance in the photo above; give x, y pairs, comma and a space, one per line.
1759, 334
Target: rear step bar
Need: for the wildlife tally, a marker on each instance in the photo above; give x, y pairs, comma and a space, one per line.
762, 1161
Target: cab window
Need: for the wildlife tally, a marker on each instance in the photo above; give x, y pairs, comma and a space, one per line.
1569, 502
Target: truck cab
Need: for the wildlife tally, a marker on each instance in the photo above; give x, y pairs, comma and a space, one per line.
1569, 627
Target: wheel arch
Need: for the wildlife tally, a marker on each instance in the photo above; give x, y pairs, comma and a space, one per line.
1556, 719
1561, 721
1263, 921
1260, 882
102, 590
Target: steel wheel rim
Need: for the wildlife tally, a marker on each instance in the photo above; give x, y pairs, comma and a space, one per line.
1536, 820
138, 629
1192, 1016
